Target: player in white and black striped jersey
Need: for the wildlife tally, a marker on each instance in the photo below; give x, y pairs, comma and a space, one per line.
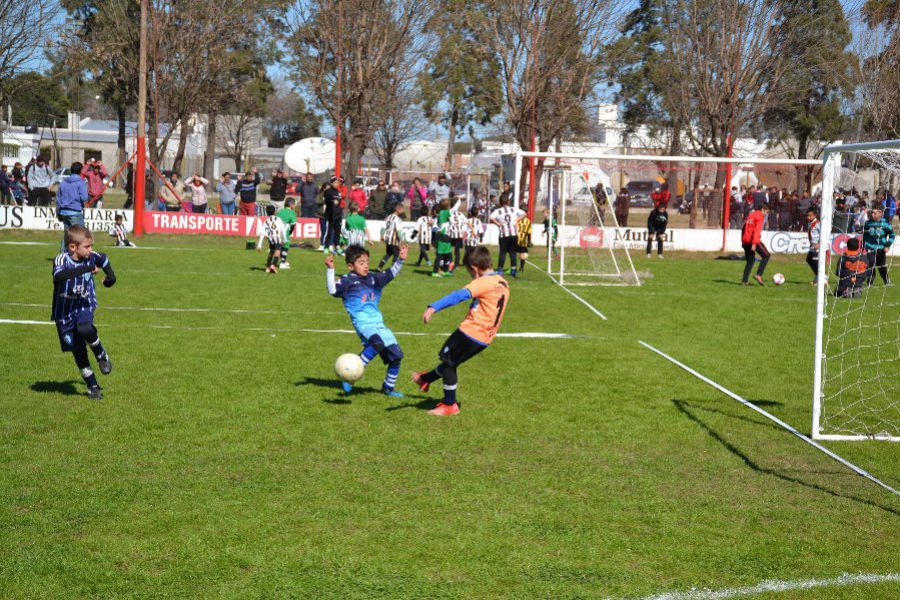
119, 232
456, 229
392, 229
507, 218
275, 230
474, 230
422, 233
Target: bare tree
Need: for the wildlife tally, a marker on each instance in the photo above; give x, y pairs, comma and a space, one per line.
24, 27
549, 52
400, 120
344, 51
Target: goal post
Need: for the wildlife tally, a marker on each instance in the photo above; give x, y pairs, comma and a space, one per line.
856, 386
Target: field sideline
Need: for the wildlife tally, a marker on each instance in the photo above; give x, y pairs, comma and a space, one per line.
224, 462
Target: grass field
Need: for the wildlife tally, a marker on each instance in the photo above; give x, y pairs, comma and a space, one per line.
224, 461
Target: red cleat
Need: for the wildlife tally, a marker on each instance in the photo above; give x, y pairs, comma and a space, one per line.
445, 410
417, 379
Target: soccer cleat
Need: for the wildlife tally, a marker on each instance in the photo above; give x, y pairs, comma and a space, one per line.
429, 263
436, 275
448, 274
105, 364
285, 265
321, 249
95, 393
745, 283
452, 266
348, 387
659, 256
649, 255
391, 393
759, 280
445, 410
513, 273
417, 379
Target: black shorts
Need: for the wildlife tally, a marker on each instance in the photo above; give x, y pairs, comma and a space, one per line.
522, 249
456, 242
459, 348
69, 338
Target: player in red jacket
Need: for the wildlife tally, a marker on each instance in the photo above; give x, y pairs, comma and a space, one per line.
750, 239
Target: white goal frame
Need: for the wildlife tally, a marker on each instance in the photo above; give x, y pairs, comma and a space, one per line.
831, 165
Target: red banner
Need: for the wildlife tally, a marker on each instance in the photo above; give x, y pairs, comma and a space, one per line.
210, 224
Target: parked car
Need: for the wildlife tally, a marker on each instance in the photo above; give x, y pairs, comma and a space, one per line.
640, 193
58, 175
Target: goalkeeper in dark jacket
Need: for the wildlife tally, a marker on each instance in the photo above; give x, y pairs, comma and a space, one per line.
878, 235
657, 223
852, 271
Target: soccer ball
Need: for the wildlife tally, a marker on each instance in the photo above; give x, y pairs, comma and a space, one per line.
777, 278
349, 367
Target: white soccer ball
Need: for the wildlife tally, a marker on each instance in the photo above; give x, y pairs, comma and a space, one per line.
777, 278
349, 367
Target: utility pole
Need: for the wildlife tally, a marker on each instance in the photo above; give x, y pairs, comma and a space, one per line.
140, 167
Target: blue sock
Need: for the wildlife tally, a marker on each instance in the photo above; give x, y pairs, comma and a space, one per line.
368, 353
390, 380
449, 394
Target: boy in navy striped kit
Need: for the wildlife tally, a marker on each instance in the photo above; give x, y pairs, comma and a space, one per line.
74, 302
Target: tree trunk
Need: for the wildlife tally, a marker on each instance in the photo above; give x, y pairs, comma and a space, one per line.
451, 138
209, 156
183, 132
357, 147
120, 142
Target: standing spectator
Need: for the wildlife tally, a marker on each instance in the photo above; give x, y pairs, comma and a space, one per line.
38, 176
323, 219
417, 195
70, 199
394, 196
760, 197
95, 176
197, 185
358, 196
171, 194
377, 201
246, 188
227, 196
889, 204
841, 219
662, 196
622, 206
440, 191
278, 189
5, 185
734, 216
309, 192
334, 214
129, 186
859, 215
506, 195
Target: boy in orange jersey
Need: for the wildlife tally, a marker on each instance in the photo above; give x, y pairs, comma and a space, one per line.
489, 293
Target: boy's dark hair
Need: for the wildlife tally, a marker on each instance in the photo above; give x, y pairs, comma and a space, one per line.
504, 201
426, 211
270, 210
76, 168
812, 211
853, 244
354, 251
289, 202
76, 233
479, 258
354, 207
473, 212
878, 206
119, 217
765, 206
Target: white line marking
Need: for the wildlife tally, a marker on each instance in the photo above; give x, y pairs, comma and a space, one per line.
237, 311
576, 296
777, 585
750, 405
524, 334
28, 244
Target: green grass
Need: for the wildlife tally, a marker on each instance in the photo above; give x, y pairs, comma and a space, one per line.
223, 462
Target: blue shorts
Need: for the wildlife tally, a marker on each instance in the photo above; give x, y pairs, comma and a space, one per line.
381, 330
69, 338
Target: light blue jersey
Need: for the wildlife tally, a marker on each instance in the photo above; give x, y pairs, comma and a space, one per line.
361, 296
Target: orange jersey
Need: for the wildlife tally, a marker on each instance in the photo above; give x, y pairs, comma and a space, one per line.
490, 295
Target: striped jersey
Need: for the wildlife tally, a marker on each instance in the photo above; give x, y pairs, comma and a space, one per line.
275, 230
118, 231
475, 230
524, 231
355, 229
458, 225
392, 230
423, 229
506, 216
75, 295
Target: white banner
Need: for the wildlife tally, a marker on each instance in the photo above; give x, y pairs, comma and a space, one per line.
44, 218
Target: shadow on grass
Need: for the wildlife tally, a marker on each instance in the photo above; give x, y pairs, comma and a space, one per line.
335, 385
66, 388
423, 404
734, 282
689, 410
257, 268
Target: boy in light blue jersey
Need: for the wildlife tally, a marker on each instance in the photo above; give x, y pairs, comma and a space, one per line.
361, 292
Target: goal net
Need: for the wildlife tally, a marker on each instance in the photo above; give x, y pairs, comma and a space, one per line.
581, 243
857, 375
